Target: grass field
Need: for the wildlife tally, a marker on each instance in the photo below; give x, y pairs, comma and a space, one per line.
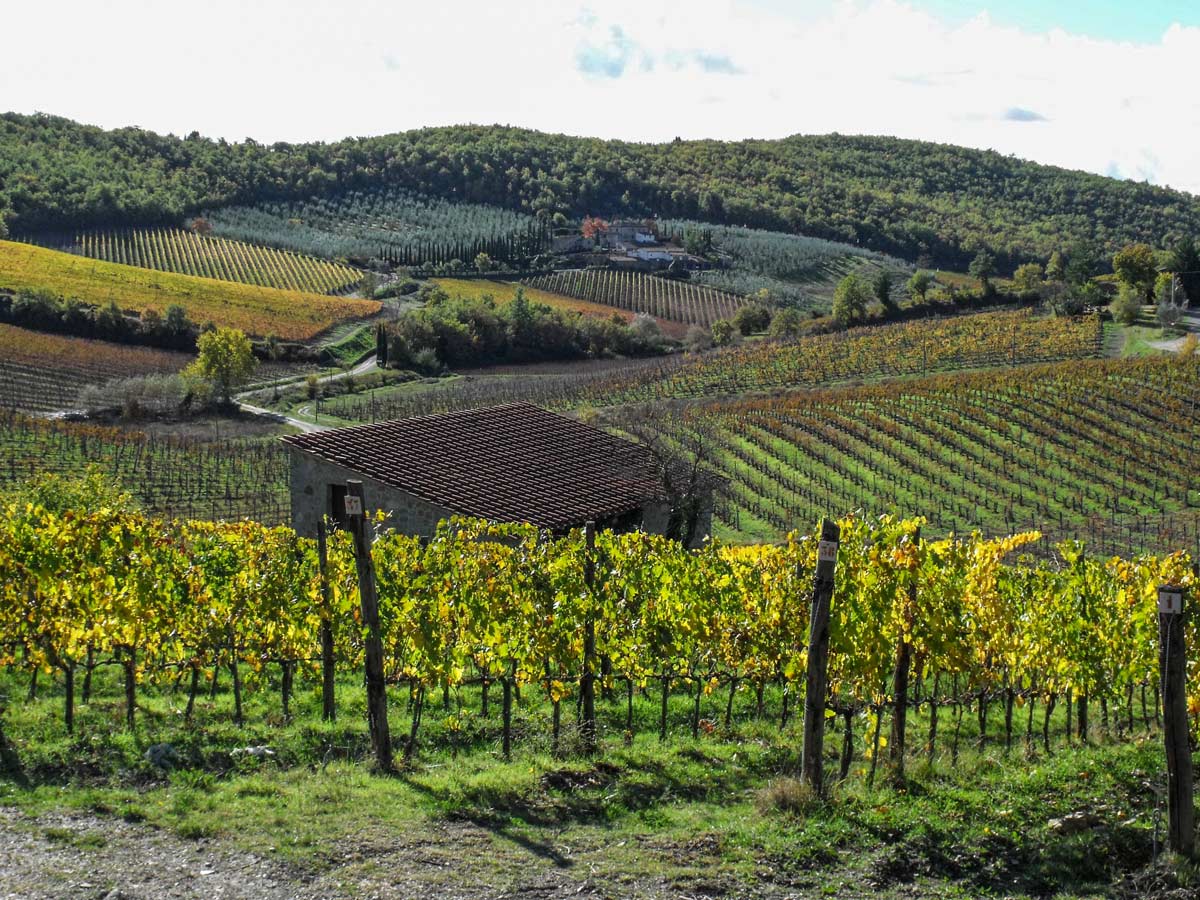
187, 253
258, 311
47, 371
711, 816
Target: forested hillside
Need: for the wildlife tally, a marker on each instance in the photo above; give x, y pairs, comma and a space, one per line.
909, 198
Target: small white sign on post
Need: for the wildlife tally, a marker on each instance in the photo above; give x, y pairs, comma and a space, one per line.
1170, 600
354, 506
827, 551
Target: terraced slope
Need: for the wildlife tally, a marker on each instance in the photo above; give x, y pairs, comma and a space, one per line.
637, 292
40, 372
1102, 450
187, 253
258, 311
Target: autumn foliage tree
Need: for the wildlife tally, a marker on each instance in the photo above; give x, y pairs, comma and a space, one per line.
225, 362
592, 227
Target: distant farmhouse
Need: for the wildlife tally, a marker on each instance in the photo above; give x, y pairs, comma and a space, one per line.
627, 244
514, 463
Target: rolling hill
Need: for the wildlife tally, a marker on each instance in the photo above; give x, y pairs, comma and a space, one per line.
910, 198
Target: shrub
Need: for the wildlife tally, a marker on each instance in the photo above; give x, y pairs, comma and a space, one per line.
426, 360
752, 319
786, 323
140, 397
697, 338
1127, 305
788, 795
723, 332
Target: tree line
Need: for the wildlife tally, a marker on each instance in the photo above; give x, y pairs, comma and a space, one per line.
476, 331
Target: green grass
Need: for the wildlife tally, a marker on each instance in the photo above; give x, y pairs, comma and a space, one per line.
719, 811
351, 348
1139, 340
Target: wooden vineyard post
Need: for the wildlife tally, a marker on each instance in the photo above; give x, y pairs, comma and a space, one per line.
587, 686
1172, 663
816, 680
328, 709
377, 718
900, 679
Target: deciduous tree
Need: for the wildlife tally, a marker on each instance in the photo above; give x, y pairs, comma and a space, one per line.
882, 285
850, 300
225, 361
1136, 267
1028, 278
983, 267
918, 285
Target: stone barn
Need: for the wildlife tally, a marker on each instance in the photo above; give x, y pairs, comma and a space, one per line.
513, 463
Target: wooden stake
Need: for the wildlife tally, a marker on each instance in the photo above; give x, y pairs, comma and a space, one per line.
587, 685
377, 715
328, 675
1172, 662
816, 678
900, 680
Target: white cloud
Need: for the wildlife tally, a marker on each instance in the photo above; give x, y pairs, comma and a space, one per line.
635, 69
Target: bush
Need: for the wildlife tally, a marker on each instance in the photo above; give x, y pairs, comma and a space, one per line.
426, 360
1127, 305
752, 319
141, 397
697, 338
723, 332
646, 334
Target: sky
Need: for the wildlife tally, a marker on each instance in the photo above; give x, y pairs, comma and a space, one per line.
1108, 86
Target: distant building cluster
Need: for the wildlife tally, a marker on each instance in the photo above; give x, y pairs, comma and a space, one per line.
628, 243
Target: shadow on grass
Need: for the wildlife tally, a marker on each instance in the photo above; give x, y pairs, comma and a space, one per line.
595, 793
489, 821
998, 864
10, 764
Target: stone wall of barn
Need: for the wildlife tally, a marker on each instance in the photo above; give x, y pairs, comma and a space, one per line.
312, 488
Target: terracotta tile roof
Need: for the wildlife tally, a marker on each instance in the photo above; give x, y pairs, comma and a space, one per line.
507, 463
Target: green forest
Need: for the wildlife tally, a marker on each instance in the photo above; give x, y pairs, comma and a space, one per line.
926, 202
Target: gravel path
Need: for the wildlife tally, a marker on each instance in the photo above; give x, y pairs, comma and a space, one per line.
80, 856
1189, 322
86, 857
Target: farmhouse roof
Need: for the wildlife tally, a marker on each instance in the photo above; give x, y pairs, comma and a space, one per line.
516, 462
